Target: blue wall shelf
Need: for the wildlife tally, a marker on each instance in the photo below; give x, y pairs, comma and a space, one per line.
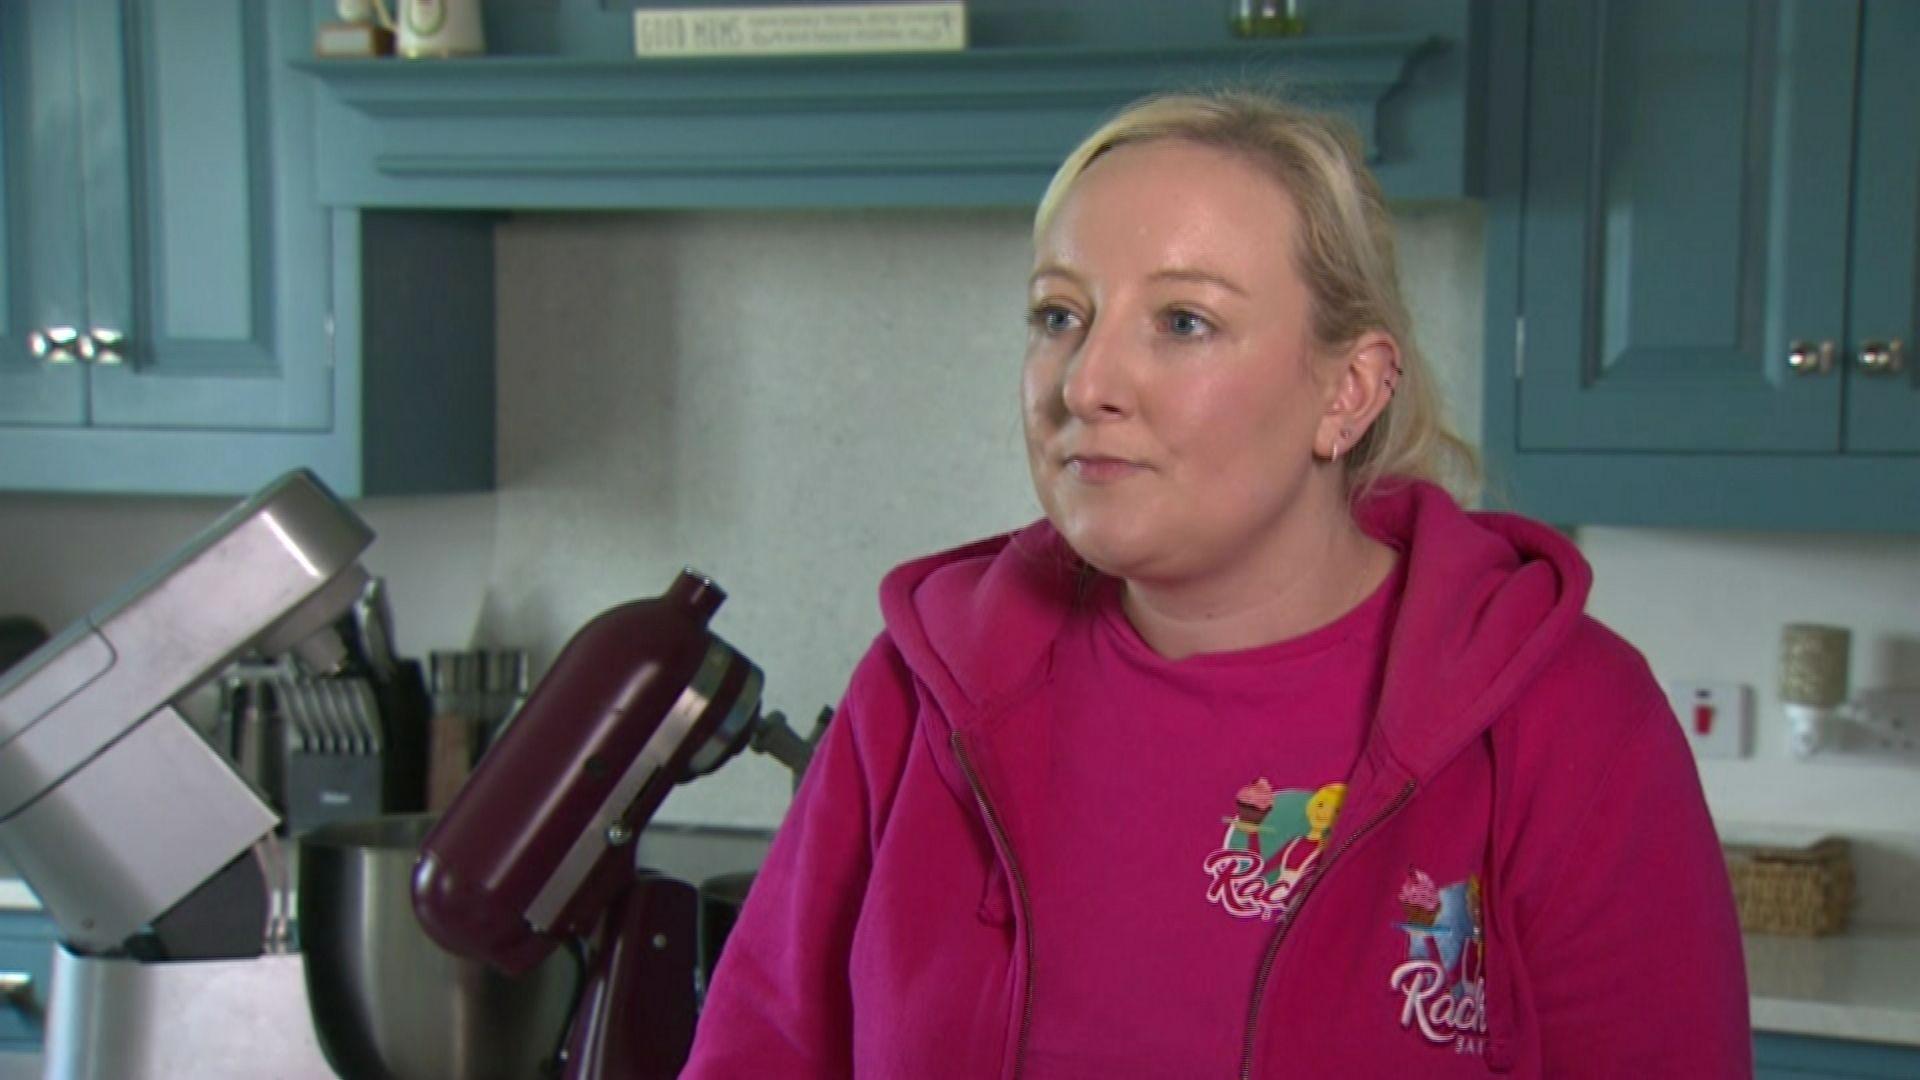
981, 127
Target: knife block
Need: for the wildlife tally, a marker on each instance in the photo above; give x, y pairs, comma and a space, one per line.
329, 748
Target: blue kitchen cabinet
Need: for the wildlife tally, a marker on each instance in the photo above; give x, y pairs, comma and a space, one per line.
182, 314
1701, 270
26, 960
165, 216
42, 283
1686, 208
1883, 401
1796, 1057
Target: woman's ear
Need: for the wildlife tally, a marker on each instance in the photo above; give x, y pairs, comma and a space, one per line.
1367, 372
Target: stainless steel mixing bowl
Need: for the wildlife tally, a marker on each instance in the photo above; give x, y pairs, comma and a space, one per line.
389, 1004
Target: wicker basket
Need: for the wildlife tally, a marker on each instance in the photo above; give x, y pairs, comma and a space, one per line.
1805, 891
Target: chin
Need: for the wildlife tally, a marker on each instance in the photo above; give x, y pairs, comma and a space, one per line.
1116, 549
1120, 537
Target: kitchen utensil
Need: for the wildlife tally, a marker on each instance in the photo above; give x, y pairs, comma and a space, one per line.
475, 693
451, 760
389, 1004
316, 748
373, 618
334, 768
503, 689
453, 731
400, 702
333, 748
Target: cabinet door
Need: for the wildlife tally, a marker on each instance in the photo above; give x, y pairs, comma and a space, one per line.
205, 244
1883, 410
1802, 1057
1685, 222
41, 276
26, 949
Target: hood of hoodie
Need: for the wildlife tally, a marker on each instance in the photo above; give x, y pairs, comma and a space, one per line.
1488, 598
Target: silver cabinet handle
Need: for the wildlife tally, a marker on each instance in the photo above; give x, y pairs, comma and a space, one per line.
1807, 358
102, 346
55, 344
16, 993
1883, 357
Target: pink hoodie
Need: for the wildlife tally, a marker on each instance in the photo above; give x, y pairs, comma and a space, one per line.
1518, 745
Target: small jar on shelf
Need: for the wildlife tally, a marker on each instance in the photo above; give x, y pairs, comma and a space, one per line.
1265, 18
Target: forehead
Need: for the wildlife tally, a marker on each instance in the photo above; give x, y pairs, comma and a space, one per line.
1180, 199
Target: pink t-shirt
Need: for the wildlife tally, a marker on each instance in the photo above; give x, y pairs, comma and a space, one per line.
1190, 797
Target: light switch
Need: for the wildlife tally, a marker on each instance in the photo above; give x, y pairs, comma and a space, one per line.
1717, 717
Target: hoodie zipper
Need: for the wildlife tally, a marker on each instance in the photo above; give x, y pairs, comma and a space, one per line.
1020, 888
1299, 900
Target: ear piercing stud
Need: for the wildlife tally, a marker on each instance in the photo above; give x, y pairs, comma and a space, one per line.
1346, 433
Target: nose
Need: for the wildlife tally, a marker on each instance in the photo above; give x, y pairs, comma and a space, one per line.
1097, 384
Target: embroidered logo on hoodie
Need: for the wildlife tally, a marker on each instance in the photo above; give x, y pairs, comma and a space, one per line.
1441, 985
1272, 841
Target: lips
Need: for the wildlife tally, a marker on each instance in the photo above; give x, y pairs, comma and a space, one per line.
1100, 469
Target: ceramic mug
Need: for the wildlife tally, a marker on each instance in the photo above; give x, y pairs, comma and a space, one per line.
429, 28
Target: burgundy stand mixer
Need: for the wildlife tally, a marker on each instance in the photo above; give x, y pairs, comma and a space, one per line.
537, 851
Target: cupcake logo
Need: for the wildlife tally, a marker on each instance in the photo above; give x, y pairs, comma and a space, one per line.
1441, 985
1271, 843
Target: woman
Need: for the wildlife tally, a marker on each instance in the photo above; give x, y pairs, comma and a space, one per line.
1006, 861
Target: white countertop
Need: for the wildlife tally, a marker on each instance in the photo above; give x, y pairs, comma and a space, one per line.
1858, 985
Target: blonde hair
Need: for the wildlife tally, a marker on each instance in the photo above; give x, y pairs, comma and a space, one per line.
1345, 254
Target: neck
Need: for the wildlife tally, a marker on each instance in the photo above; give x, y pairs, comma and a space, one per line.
1282, 591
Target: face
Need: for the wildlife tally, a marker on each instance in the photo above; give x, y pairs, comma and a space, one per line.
1170, 394
1324, 805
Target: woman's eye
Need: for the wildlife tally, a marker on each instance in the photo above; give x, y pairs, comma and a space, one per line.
1052, 319
1187, 324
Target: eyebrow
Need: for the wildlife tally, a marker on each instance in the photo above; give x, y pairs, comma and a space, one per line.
1198, 276
1054, 270
1171, 273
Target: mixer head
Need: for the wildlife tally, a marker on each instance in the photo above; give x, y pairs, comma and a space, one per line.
539, 842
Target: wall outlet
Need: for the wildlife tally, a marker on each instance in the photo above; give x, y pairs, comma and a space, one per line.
1717, 717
